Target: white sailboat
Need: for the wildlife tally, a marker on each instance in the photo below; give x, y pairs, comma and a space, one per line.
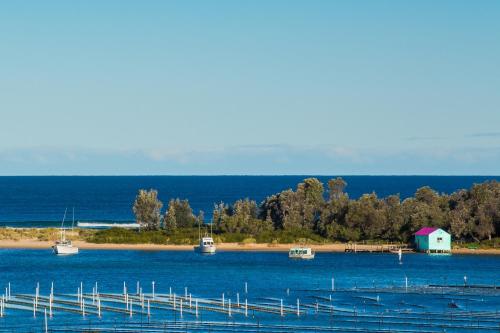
206, 245
65, 246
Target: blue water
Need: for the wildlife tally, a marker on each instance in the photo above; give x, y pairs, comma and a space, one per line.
359, 279
40, 201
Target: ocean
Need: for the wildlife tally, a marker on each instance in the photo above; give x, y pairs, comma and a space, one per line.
40, 201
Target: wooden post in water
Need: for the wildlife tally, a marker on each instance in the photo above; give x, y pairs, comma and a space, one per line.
130, 308
137, 289
196, 307
83, 307
153, 289
190, 299
124, 288
333, 283
45, 320
180, 306
237, 300
51, 297
174, 301
298, 308
406, 283
229, 307
281, 307
185, 292
99, 307
149, 312
246, 308
169, 293
126, 301
223, 300
9, 296
246, 287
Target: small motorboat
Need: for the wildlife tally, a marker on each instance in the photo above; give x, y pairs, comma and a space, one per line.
301, 253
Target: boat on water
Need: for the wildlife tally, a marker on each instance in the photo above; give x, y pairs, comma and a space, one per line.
301, 253
64, 246
206, 245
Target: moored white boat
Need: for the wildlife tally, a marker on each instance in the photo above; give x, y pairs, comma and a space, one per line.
65, 246
206, 245
301, 253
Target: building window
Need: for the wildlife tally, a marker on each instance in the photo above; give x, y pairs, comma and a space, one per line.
439, 239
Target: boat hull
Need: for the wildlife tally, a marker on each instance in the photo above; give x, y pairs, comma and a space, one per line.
302, 257
205, 249
64, 250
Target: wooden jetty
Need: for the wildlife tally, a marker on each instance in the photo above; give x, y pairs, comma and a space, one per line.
380, 248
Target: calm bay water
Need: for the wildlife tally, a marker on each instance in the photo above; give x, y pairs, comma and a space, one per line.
40, 201
367, 286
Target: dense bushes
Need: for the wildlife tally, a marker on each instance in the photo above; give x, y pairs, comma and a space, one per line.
308, 212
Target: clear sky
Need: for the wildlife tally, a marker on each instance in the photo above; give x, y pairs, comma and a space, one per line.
250, 87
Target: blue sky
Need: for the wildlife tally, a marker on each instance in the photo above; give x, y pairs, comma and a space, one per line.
250, 87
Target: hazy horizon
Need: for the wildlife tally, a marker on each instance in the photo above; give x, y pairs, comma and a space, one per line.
274, 87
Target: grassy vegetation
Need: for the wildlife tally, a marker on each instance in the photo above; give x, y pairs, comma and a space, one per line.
494, 243
42, 234
189, 236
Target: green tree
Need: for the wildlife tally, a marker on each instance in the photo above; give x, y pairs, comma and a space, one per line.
147, 209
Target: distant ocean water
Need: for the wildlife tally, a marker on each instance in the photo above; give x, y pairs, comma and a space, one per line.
41, 200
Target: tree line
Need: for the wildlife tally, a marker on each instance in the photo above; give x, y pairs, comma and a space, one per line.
470, 214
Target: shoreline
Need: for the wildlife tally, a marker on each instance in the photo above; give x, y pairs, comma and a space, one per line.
334, 247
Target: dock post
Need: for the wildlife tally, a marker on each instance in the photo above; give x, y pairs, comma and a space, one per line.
406, 283
185, 292
246, 287
93, 295
34, 308
246, 308
238, 300
99, 307
196, 307
149, 312
153, 289
190, 300
223, 301
180, 306
174, 302
137, 289
9, 296
124, 288
51, 297
333, 283
130, 308
83, 307
126, 301
45, 319
229, 307
281, 307
298, 308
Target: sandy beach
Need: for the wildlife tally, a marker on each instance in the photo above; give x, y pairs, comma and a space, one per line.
337, 247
